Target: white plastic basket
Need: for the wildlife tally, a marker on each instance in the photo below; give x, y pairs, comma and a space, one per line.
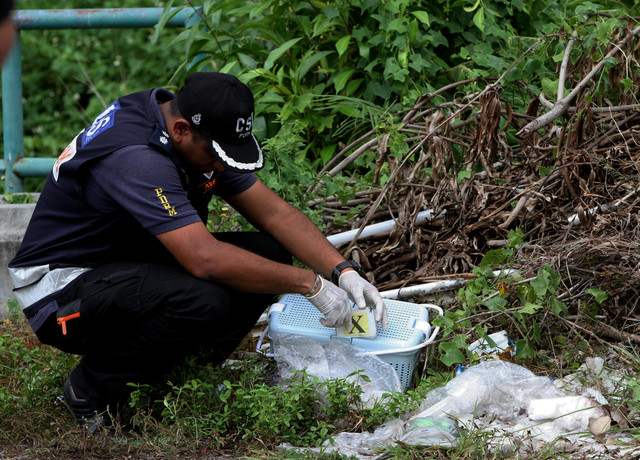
408, 331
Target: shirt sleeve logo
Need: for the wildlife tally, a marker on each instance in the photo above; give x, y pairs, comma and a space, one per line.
67, 154
165, 202
102, 122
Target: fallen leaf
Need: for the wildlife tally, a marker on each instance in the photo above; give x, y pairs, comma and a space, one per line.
598, 426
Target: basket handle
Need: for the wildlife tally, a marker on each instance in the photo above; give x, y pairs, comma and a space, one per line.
424, 326
259, 346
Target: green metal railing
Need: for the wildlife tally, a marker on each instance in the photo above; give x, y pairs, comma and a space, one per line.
15, 167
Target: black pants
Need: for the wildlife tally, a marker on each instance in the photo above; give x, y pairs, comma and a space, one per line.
138, 320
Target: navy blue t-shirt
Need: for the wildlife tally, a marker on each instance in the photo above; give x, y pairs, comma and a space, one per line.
108, 207
143, 183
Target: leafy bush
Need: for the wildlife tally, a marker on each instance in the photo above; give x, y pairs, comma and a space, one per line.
336, 69
321, 63
288, 171
339, 69
239, 404
514, 304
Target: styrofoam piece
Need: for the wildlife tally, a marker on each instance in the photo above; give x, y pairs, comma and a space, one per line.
481, 346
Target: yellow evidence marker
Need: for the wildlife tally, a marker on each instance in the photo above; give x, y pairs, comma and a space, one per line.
363, 325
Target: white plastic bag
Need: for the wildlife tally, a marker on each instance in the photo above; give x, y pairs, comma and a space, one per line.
493, 387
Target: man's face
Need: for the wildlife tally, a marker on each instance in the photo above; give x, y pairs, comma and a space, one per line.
199, 155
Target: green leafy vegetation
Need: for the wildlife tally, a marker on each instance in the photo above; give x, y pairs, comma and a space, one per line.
335, 65
237, 407
324, 73
214, 405
19, 198
336, 70
511, 303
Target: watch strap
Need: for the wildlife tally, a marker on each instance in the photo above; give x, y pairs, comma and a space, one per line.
337, 270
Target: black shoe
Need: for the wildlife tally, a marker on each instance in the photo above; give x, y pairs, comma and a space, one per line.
88, 417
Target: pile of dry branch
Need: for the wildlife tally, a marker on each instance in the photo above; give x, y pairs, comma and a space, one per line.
568, 176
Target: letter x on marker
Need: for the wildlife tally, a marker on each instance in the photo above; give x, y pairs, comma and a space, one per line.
354, 322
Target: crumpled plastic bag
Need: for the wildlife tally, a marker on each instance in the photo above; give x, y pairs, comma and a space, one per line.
335, 359
496, 387
359, 445
516, 397
494, 394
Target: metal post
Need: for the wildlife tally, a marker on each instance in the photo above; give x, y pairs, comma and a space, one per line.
12, 125
114, 18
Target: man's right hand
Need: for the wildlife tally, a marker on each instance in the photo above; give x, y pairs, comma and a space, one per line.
333, 303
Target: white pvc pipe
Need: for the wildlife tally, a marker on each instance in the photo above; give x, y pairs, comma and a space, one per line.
605, 208
428, 288
380, 228
575, 218
434, 287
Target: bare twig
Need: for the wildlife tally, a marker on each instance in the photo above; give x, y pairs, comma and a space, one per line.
613, 333
563, 68
359, 151
525, 198
561, 105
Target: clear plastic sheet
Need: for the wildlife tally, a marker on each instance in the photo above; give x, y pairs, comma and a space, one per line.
439, 430
335, 359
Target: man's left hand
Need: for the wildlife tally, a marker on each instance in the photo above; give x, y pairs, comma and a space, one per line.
363, 294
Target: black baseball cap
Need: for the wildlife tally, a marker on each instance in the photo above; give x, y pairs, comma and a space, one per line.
220, 106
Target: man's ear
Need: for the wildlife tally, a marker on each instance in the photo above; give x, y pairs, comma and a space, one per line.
179, 129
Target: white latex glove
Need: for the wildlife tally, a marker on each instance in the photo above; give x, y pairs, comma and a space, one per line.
364, 295
333, 303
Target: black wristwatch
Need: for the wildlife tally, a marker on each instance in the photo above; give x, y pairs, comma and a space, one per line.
335, 273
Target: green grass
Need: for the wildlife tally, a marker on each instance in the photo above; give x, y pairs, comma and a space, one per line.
201, 411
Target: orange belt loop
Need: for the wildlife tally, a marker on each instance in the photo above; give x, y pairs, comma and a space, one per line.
62, 321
